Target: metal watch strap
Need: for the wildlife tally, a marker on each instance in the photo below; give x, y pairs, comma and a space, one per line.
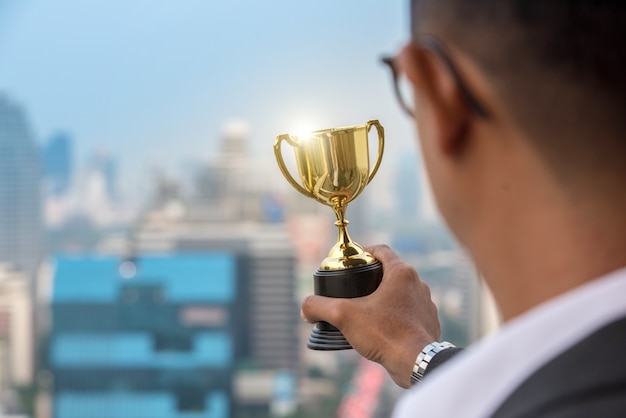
424, 357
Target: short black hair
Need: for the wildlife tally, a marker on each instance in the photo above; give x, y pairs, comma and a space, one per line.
559, 64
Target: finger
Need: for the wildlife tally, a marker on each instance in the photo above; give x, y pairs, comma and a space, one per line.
320, 308
383, 253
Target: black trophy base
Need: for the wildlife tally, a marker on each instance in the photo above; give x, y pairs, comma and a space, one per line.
349, 283
327, 339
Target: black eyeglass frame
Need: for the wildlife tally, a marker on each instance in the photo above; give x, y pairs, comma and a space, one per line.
432, 44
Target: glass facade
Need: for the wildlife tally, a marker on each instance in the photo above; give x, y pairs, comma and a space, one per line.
157, 343
20, 205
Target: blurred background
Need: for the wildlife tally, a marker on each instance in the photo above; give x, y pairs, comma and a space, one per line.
152, 257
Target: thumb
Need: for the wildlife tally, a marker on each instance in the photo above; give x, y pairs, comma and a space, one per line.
317, 308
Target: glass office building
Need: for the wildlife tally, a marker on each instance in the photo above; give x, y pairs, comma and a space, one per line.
153, 337
20, 202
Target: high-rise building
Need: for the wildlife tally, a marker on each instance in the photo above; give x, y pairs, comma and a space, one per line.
16, 333
155, 337
262, 311
104, 165
58, 165
269, 343
20, 200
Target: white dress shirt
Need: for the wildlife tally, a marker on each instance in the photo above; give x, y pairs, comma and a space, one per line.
475, 382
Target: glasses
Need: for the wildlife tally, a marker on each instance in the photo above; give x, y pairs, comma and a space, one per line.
404, 90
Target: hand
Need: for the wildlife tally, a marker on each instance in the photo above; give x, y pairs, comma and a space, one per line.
389, 326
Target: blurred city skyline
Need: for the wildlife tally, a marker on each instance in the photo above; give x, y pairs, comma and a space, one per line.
136, 145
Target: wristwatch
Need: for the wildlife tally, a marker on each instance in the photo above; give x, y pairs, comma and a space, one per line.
424, 358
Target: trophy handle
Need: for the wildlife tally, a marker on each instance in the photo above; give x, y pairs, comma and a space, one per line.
381, 145
281, 163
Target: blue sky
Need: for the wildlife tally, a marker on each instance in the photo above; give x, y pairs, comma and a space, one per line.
158, 79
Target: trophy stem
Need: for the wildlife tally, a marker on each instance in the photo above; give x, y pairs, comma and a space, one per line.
343, 239
345, 253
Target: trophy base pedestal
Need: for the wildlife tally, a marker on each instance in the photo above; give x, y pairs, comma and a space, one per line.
350, 283
329, 339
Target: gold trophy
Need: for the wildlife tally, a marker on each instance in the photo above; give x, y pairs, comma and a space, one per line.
334, 169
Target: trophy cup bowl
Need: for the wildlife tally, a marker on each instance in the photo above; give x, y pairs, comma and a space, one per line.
334, 168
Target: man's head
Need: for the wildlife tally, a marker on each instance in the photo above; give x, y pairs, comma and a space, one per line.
547, 163
559, 66
549, 71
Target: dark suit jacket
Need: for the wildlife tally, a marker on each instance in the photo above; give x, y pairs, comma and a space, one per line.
587, 380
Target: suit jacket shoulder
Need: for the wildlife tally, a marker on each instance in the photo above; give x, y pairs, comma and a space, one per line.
587, 380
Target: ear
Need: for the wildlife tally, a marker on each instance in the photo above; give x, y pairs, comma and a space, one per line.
438, 101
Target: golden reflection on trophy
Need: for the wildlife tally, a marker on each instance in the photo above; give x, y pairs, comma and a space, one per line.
334, 168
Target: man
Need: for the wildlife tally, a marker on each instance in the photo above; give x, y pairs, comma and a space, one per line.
521, 111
